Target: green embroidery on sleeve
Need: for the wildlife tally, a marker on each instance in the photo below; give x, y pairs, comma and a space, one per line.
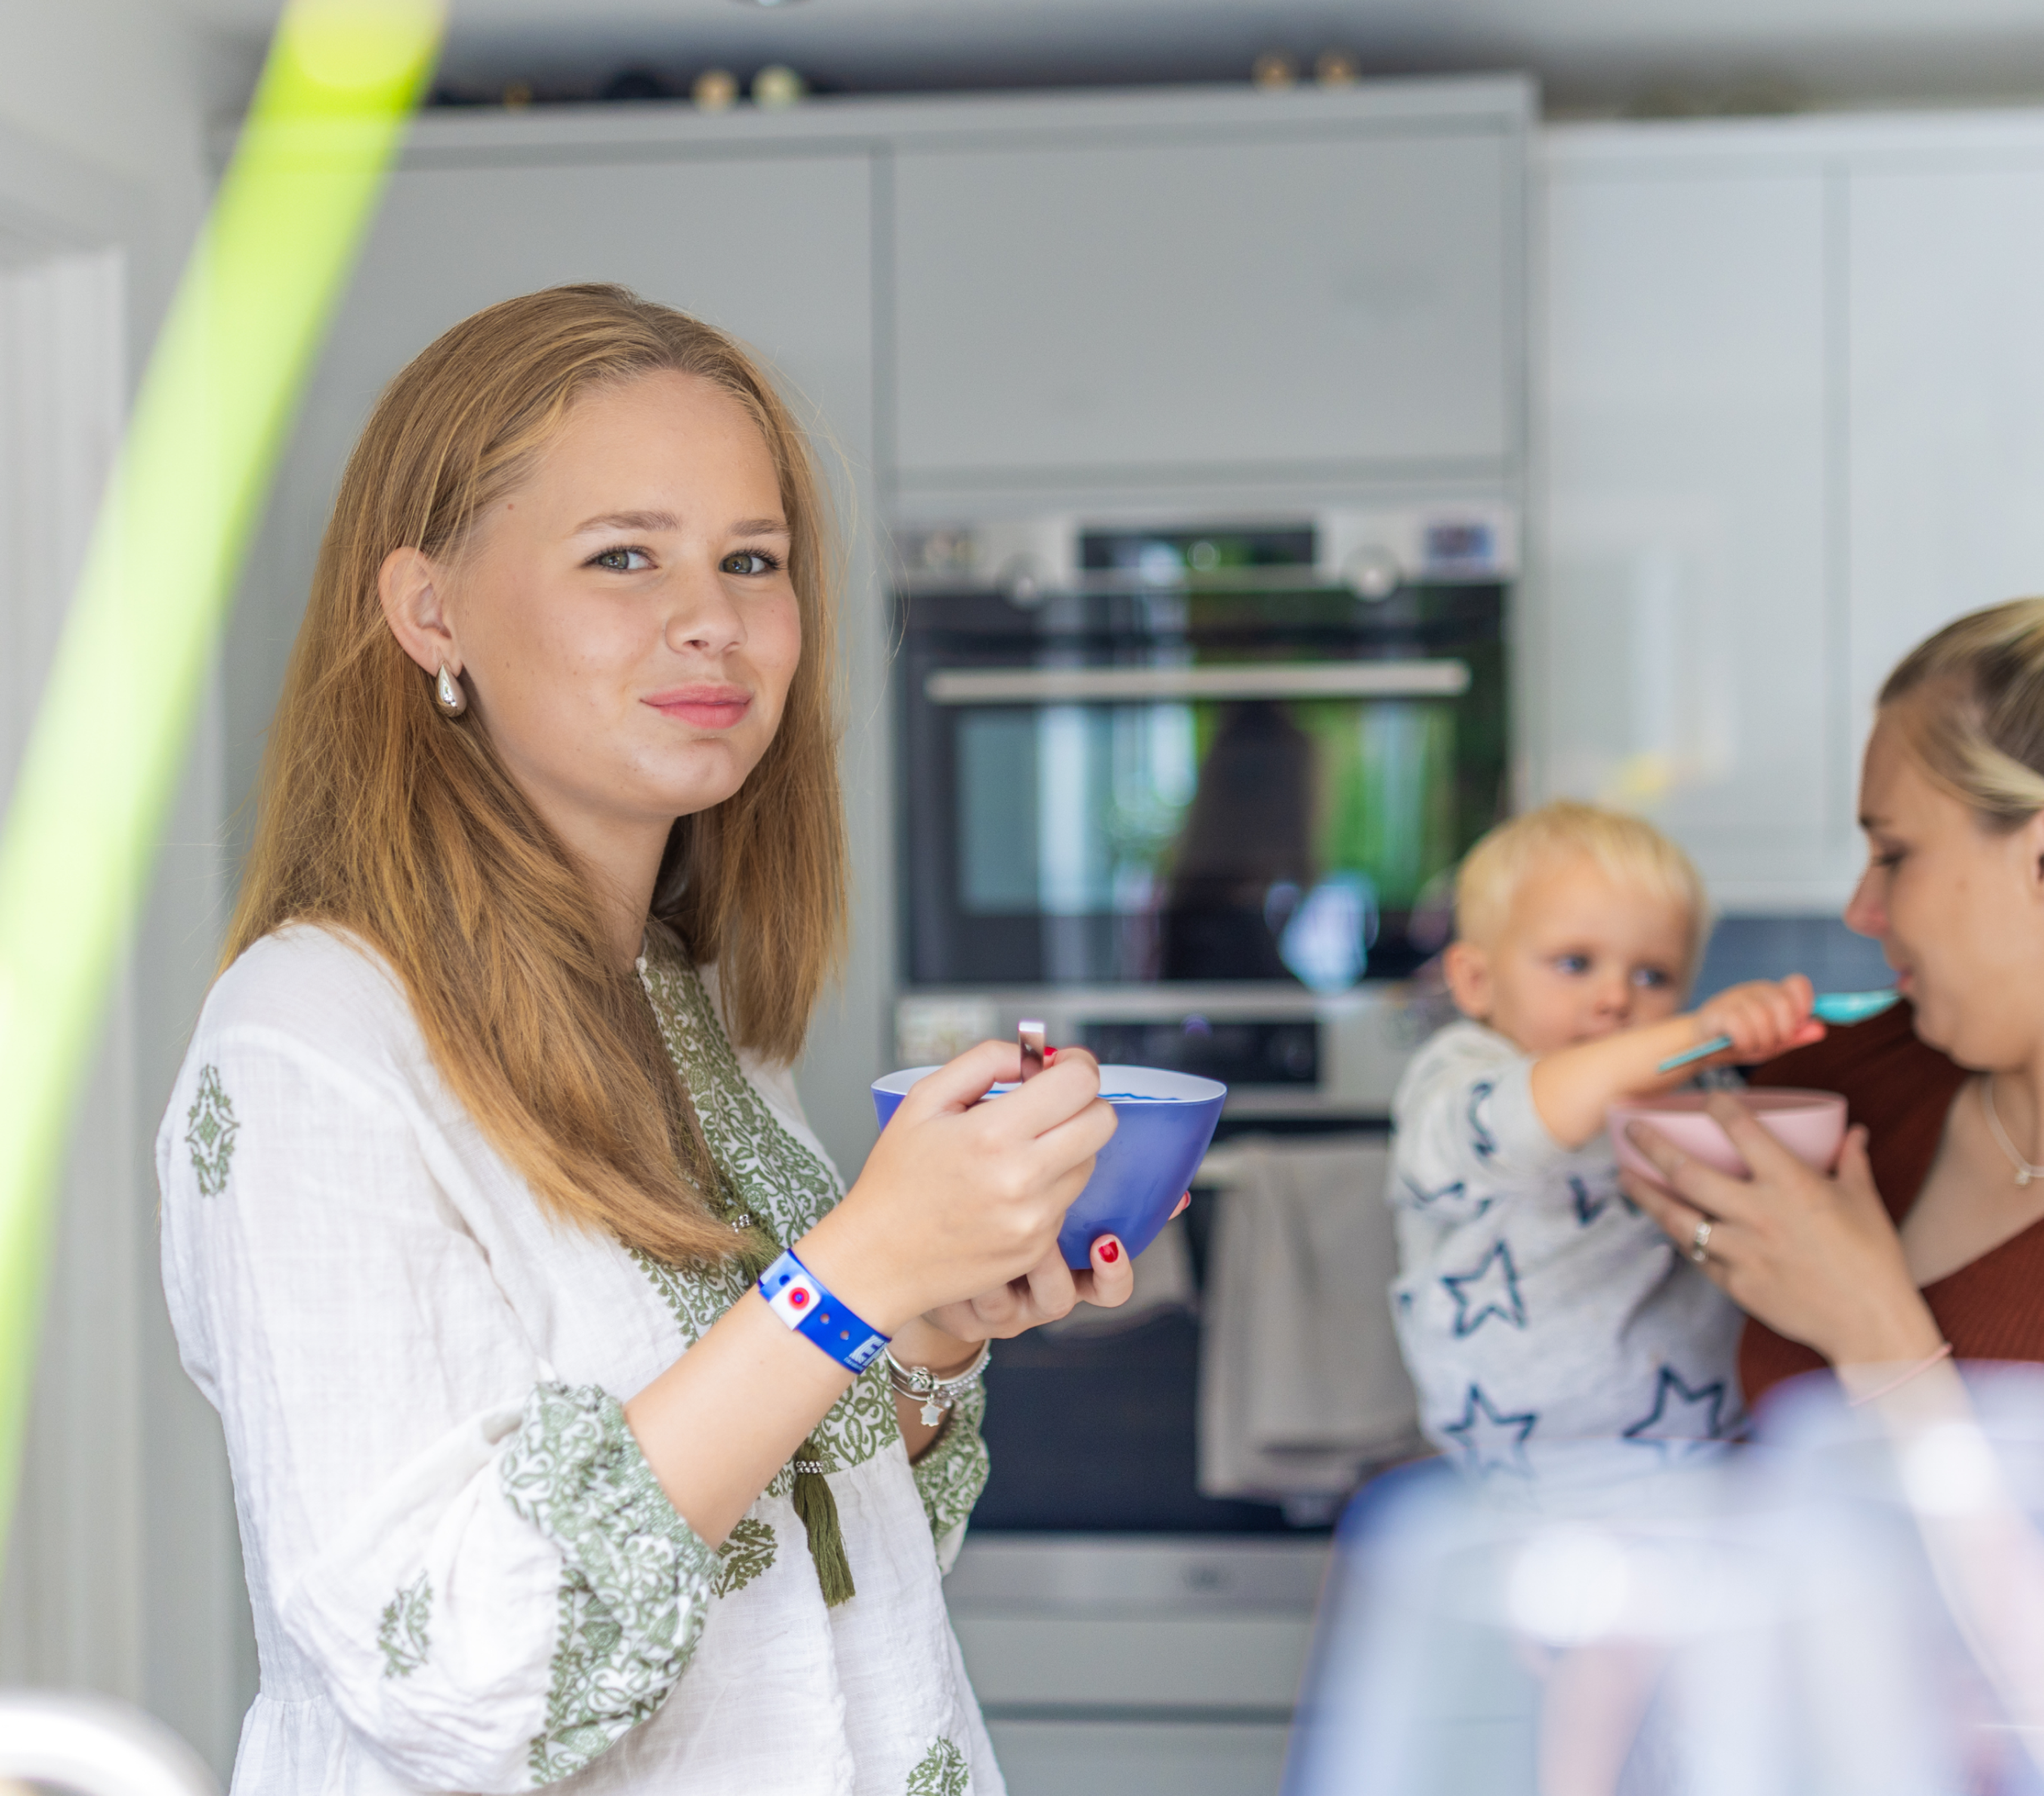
941, 1771
402, 1636
635, 1579
210, 1128
747, 1552
951, 1474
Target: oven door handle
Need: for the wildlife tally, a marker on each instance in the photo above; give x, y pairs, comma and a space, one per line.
1442, 678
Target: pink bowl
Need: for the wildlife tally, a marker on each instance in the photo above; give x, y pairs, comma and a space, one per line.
1811, 1125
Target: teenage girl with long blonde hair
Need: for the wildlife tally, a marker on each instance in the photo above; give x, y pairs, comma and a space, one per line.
485, 1162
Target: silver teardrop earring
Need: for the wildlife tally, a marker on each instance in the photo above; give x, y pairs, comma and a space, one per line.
449, 694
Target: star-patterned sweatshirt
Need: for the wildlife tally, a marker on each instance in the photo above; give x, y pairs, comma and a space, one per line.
1535, 1302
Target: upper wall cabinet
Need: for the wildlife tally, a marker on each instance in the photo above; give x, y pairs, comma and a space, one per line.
1685, 589
1264, 295
1947, 391
1792, 422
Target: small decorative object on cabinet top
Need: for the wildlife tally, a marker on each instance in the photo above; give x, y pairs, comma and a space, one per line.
1274, 72
1337, 68
715, 89
776, 86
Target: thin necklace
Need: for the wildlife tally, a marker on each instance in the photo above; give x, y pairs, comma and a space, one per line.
2024, 1170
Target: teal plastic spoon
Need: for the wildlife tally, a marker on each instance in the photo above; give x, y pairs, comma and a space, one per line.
1830, 1007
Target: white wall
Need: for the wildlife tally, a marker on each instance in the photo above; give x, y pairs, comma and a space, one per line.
123, 1573
124, 87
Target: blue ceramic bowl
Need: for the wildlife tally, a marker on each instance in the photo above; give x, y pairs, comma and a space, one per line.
1163, 1121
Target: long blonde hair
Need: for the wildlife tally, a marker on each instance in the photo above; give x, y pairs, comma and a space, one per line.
1975, 722
382, 818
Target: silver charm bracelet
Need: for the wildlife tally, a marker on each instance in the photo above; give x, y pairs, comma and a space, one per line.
938, 1396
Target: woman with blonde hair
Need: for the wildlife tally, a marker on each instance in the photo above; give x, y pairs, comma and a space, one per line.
1929, 1242
583, 1426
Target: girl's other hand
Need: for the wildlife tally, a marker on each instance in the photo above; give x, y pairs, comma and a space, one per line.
1764, 1018
1048, 1292
960, 1200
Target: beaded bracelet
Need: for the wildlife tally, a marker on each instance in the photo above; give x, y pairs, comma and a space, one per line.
938, 1396
800, 1299
1916, 1371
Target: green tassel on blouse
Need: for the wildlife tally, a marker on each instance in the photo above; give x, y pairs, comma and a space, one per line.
758, 1250
814, 1501
817, 1507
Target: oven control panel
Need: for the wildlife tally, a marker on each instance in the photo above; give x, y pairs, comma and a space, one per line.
1281, 1051
1240, 1051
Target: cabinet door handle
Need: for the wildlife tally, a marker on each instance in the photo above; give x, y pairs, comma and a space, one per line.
1105, 686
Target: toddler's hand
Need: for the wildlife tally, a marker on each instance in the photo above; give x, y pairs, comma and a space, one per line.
1763, 1017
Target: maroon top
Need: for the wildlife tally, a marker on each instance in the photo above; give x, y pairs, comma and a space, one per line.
1902, 1090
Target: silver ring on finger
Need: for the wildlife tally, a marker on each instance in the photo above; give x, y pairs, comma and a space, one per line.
1700, 1243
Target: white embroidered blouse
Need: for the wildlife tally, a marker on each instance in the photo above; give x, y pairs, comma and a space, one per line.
464, 1575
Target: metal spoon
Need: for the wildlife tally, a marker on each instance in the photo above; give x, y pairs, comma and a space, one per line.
1830, 1007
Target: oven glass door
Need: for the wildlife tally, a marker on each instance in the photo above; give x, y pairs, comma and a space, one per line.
1133, 810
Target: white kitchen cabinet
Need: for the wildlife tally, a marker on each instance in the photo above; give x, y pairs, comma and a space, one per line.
1203, 303
1687, 607
1789, 419
1947, 391
777, 250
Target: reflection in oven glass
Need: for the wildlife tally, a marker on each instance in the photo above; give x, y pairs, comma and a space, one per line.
1244, 853
1252, 840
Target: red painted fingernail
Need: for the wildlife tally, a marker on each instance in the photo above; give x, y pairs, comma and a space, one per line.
1110, 1251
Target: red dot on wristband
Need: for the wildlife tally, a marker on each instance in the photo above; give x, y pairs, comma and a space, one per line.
1110, 1251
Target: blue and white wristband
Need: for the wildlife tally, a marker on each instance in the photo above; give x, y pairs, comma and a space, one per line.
795, 1294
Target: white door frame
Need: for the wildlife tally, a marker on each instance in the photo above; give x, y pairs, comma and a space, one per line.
123, 1574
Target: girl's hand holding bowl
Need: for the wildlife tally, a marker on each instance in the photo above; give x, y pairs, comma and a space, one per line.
1163, 1123
951, 1230
1816, 1258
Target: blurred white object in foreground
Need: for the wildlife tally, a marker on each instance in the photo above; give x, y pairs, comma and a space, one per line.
95, 1746
1617, 1625
1852, 1606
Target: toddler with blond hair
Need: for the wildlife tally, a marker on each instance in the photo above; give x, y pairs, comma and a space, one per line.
1534, 1301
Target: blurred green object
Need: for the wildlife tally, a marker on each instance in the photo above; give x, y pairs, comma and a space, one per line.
211, 418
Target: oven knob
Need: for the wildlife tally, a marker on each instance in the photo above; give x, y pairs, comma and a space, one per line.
1374, 573
1024, 581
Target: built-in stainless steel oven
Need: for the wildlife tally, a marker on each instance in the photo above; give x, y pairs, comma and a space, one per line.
1193, 789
